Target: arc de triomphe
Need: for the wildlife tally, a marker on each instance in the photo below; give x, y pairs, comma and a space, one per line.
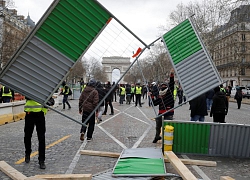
115, 62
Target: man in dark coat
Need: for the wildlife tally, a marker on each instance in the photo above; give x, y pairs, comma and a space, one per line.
198, 107
87, 103
219, 107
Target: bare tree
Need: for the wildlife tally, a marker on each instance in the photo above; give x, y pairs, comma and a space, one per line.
94, 69
77, 72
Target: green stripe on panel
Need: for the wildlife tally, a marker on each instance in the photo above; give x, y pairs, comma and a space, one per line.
139, 166
72, 26
190, 137
182, 41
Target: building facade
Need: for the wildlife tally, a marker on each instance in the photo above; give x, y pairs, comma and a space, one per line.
13, 30
230, 49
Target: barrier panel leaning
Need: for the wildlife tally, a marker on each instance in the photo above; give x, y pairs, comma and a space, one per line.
213, 139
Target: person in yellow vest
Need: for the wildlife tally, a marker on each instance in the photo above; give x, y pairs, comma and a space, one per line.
35, 116
65, 92
133, 92
7, 94
122, 94
138, 92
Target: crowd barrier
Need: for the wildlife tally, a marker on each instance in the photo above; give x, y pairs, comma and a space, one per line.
212, 139
14, 111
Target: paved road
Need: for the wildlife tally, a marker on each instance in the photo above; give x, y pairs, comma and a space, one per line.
130, 127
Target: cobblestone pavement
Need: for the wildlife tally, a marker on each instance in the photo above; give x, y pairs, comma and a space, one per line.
130, 127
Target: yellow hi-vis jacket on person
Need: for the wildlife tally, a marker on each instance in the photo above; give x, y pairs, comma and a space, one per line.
33, 106
9, 94
138, 90
122, 91
83, 87
175, 92
132, 90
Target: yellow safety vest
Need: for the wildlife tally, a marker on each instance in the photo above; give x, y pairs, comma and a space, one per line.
137, 90
33, 106
83, 86
132, 90
122, 91
64, 90
6, 94
175, 92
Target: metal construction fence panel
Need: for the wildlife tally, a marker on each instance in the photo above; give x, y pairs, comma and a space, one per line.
215, 139
58, 41
195, 69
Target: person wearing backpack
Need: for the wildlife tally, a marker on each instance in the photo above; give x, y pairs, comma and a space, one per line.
66, 91
7, 94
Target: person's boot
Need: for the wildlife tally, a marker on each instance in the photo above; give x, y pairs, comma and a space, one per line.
42, 165
27, 158
156, 139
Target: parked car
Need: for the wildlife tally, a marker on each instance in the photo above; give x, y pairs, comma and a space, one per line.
245, 91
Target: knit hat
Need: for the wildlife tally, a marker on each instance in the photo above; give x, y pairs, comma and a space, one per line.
92, 82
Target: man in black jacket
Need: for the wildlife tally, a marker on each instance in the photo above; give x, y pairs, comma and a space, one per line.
198, 107
108, 100
101, 93
219, 107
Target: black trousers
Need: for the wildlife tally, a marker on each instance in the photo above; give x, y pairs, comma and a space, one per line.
138, 99
108, 102
219, 117
90, 123
65, 100
31, 120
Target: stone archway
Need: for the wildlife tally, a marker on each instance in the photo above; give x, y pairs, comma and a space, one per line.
115, 62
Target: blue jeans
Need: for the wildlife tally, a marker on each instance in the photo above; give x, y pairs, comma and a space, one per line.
209, 103
198, 117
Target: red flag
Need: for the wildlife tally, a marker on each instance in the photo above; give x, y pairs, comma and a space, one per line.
137, 52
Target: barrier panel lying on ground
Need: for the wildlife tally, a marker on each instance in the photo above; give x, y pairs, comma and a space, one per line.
215, 139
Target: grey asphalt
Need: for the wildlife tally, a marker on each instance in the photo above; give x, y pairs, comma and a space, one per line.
130, 127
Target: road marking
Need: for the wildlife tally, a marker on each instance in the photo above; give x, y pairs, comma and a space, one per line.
47, 147
112, 137
76, 158
198, 170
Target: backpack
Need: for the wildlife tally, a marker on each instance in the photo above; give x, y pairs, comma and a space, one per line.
6, 90
70, 91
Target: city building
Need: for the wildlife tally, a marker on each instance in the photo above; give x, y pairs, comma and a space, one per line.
230, 48
13, 30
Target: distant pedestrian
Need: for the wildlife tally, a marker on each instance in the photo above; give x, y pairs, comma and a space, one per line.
219, 107
65, 92
180, 94
238, 97
228, 92
133, 92
122, 93
198, 107
108, 100
209, 99
8, 95
101, 94
128, 94
87, 103
138, 93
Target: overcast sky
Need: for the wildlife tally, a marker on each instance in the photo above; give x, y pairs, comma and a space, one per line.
142, 17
